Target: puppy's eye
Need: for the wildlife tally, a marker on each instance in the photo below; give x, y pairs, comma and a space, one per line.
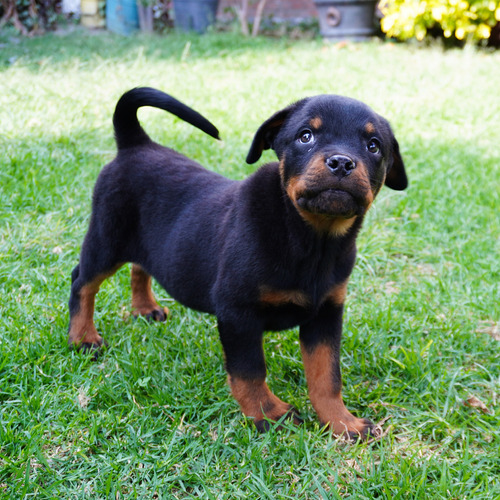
306, 136
373, 146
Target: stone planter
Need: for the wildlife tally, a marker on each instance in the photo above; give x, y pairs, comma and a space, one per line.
195, 15
347, 19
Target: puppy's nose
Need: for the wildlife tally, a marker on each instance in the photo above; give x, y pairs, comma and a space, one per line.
340, 165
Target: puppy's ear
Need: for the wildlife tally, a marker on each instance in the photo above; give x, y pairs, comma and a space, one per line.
265, 135
396, 175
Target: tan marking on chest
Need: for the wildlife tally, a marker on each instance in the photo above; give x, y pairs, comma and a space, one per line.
337, 294
274, 297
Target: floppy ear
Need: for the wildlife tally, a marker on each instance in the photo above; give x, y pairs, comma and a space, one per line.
265, 135
396, 175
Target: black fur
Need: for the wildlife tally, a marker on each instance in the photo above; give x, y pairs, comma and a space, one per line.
216, 244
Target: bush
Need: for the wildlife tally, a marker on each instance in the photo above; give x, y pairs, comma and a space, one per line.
30, 16
461, 20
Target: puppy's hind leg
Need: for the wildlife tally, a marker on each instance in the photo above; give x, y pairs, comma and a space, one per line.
85, 285
143, 300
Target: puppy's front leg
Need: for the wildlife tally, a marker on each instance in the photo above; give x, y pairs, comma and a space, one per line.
246, 369
320, 345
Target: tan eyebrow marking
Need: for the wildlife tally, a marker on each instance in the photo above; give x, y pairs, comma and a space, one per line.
316, 122
370, 128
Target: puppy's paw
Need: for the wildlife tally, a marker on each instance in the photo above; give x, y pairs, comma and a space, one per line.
266, 424
365, 430
95, 349
155, 314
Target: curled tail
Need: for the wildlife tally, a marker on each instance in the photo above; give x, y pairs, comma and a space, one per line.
128, 131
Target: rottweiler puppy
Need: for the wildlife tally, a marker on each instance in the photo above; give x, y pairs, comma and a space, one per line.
268, 253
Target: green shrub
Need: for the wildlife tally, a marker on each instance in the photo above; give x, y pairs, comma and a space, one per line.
33, 16
460, 19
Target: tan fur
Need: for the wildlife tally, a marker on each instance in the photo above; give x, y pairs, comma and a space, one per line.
336, 295
143, 300
282, 169
325, 392
315, 173
363, 179
337, 226
256, 400
316, 122
82, 328
273, 297
370, 128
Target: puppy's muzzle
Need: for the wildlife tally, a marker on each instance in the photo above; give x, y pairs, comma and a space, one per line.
340, 165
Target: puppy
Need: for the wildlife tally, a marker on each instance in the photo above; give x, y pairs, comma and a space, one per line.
271, 252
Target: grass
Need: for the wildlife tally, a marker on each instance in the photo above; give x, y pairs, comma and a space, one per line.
153, 418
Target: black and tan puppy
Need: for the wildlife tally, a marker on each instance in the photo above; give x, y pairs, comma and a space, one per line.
268, 253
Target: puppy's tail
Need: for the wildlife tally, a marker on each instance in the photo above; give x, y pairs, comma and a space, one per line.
128, 131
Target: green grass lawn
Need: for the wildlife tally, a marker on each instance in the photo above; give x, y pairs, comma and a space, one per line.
153, 417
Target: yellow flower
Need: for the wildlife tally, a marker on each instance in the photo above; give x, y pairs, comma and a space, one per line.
483, 31
437, 12
387, 23
420, 33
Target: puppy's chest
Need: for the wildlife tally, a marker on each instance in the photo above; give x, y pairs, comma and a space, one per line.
304, 297
285, 307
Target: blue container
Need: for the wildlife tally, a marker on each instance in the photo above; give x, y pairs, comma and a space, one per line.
122, 16
195, 15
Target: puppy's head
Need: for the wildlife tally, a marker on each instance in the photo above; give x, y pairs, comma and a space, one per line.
335, 154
